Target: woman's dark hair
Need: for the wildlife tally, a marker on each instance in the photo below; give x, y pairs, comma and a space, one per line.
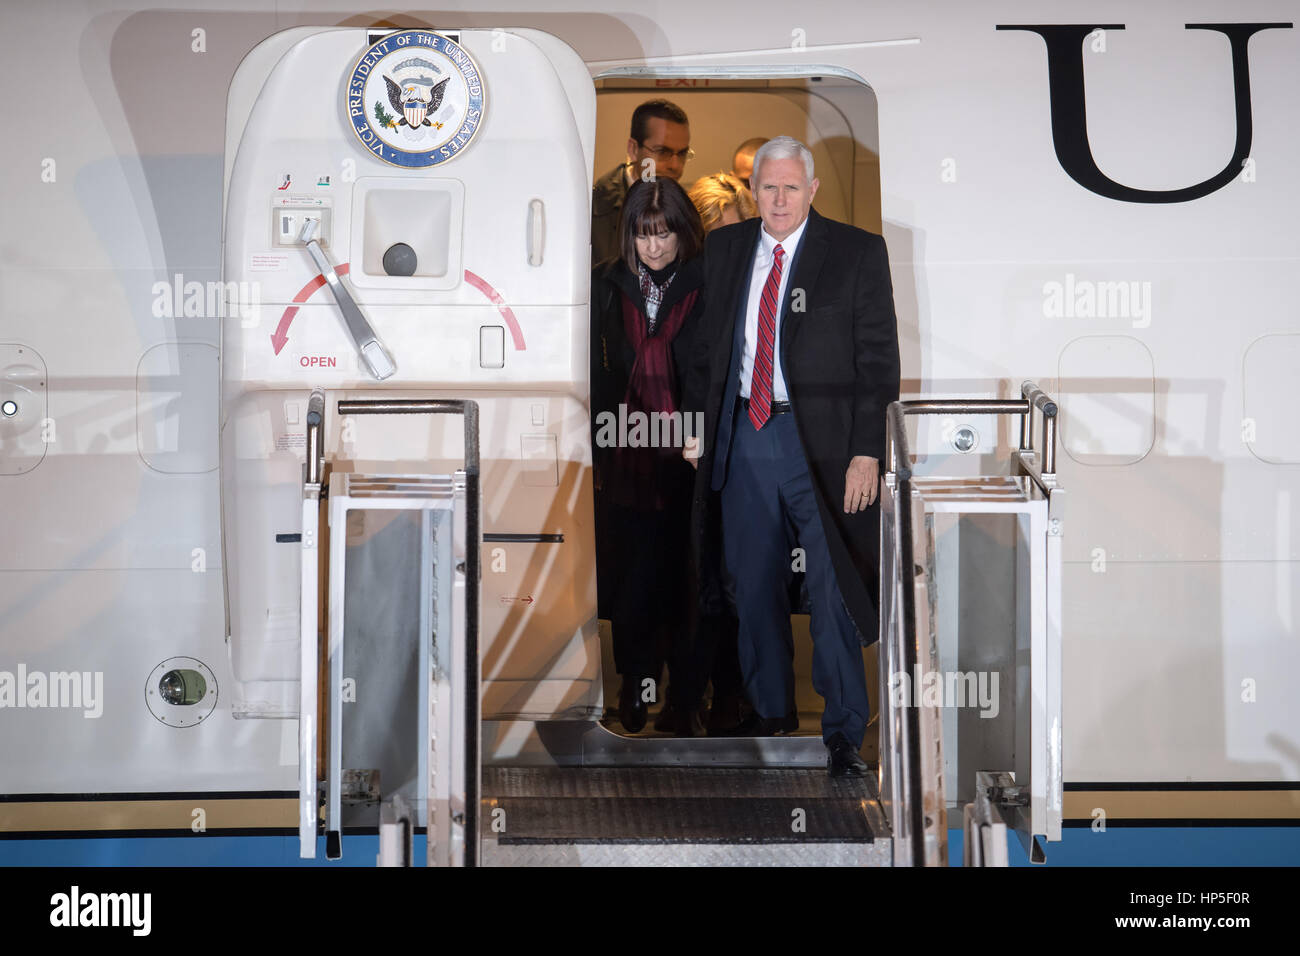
659, 204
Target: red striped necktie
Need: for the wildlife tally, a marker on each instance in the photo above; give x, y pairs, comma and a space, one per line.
760, 386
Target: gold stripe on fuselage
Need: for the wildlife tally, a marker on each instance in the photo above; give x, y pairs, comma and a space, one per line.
279, 813
54, 816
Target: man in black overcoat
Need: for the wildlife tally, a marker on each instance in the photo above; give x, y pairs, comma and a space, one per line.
798, 364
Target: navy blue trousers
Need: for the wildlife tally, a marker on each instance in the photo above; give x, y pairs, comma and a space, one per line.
768, 508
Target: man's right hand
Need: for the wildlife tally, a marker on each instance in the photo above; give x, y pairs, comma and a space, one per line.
691, 450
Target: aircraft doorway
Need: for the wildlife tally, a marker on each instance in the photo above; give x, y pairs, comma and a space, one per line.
836, 117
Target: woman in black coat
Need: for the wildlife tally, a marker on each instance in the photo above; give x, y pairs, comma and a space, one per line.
645, 308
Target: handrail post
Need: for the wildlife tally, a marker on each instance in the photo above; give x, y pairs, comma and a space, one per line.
315, 430
309, 710
1039, 399
901, 466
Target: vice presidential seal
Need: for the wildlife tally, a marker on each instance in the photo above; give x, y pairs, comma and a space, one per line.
415, 99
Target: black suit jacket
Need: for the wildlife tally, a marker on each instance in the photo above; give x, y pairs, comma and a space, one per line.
607, 196
839, 357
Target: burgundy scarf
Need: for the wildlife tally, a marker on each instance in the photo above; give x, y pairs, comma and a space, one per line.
651, 387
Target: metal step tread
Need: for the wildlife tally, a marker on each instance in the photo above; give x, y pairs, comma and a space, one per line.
678, 805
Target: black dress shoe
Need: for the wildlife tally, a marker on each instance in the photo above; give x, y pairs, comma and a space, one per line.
756, 726
679, 721
666, 722
632, 710
687, 722
724, 716
842, 758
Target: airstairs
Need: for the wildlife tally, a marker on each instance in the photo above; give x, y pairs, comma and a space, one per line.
390, 717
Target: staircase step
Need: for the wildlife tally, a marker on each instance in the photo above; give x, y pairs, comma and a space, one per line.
680, 816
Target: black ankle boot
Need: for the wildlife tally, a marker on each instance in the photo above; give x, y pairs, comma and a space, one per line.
725, 718
632, 709
666, 722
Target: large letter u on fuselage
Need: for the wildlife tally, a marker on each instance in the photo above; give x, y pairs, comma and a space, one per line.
1070, 119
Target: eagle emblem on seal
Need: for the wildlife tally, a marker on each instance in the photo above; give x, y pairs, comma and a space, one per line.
415, 99
414, 94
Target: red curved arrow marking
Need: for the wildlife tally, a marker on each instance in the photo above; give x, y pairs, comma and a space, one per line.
281, 335
483, 286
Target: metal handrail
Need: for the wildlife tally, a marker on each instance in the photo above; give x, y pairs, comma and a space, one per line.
898, 460
315, 441
1048, 409
1034, 398
906, 561
309, 737
469, 409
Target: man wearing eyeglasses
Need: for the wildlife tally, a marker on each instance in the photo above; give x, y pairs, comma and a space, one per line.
658, 145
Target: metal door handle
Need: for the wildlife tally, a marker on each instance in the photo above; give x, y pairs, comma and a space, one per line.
373, 354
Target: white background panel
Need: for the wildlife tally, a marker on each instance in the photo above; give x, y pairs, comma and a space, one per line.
1157, 696
108, 511
124, 624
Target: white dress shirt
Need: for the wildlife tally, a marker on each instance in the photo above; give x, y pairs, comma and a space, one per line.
763, 259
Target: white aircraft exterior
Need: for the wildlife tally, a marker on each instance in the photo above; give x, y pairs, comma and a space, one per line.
1136, 259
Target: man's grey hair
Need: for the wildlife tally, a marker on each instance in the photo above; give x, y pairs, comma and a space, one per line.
782, 147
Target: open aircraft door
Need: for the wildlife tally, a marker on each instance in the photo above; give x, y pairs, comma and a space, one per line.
406, 234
